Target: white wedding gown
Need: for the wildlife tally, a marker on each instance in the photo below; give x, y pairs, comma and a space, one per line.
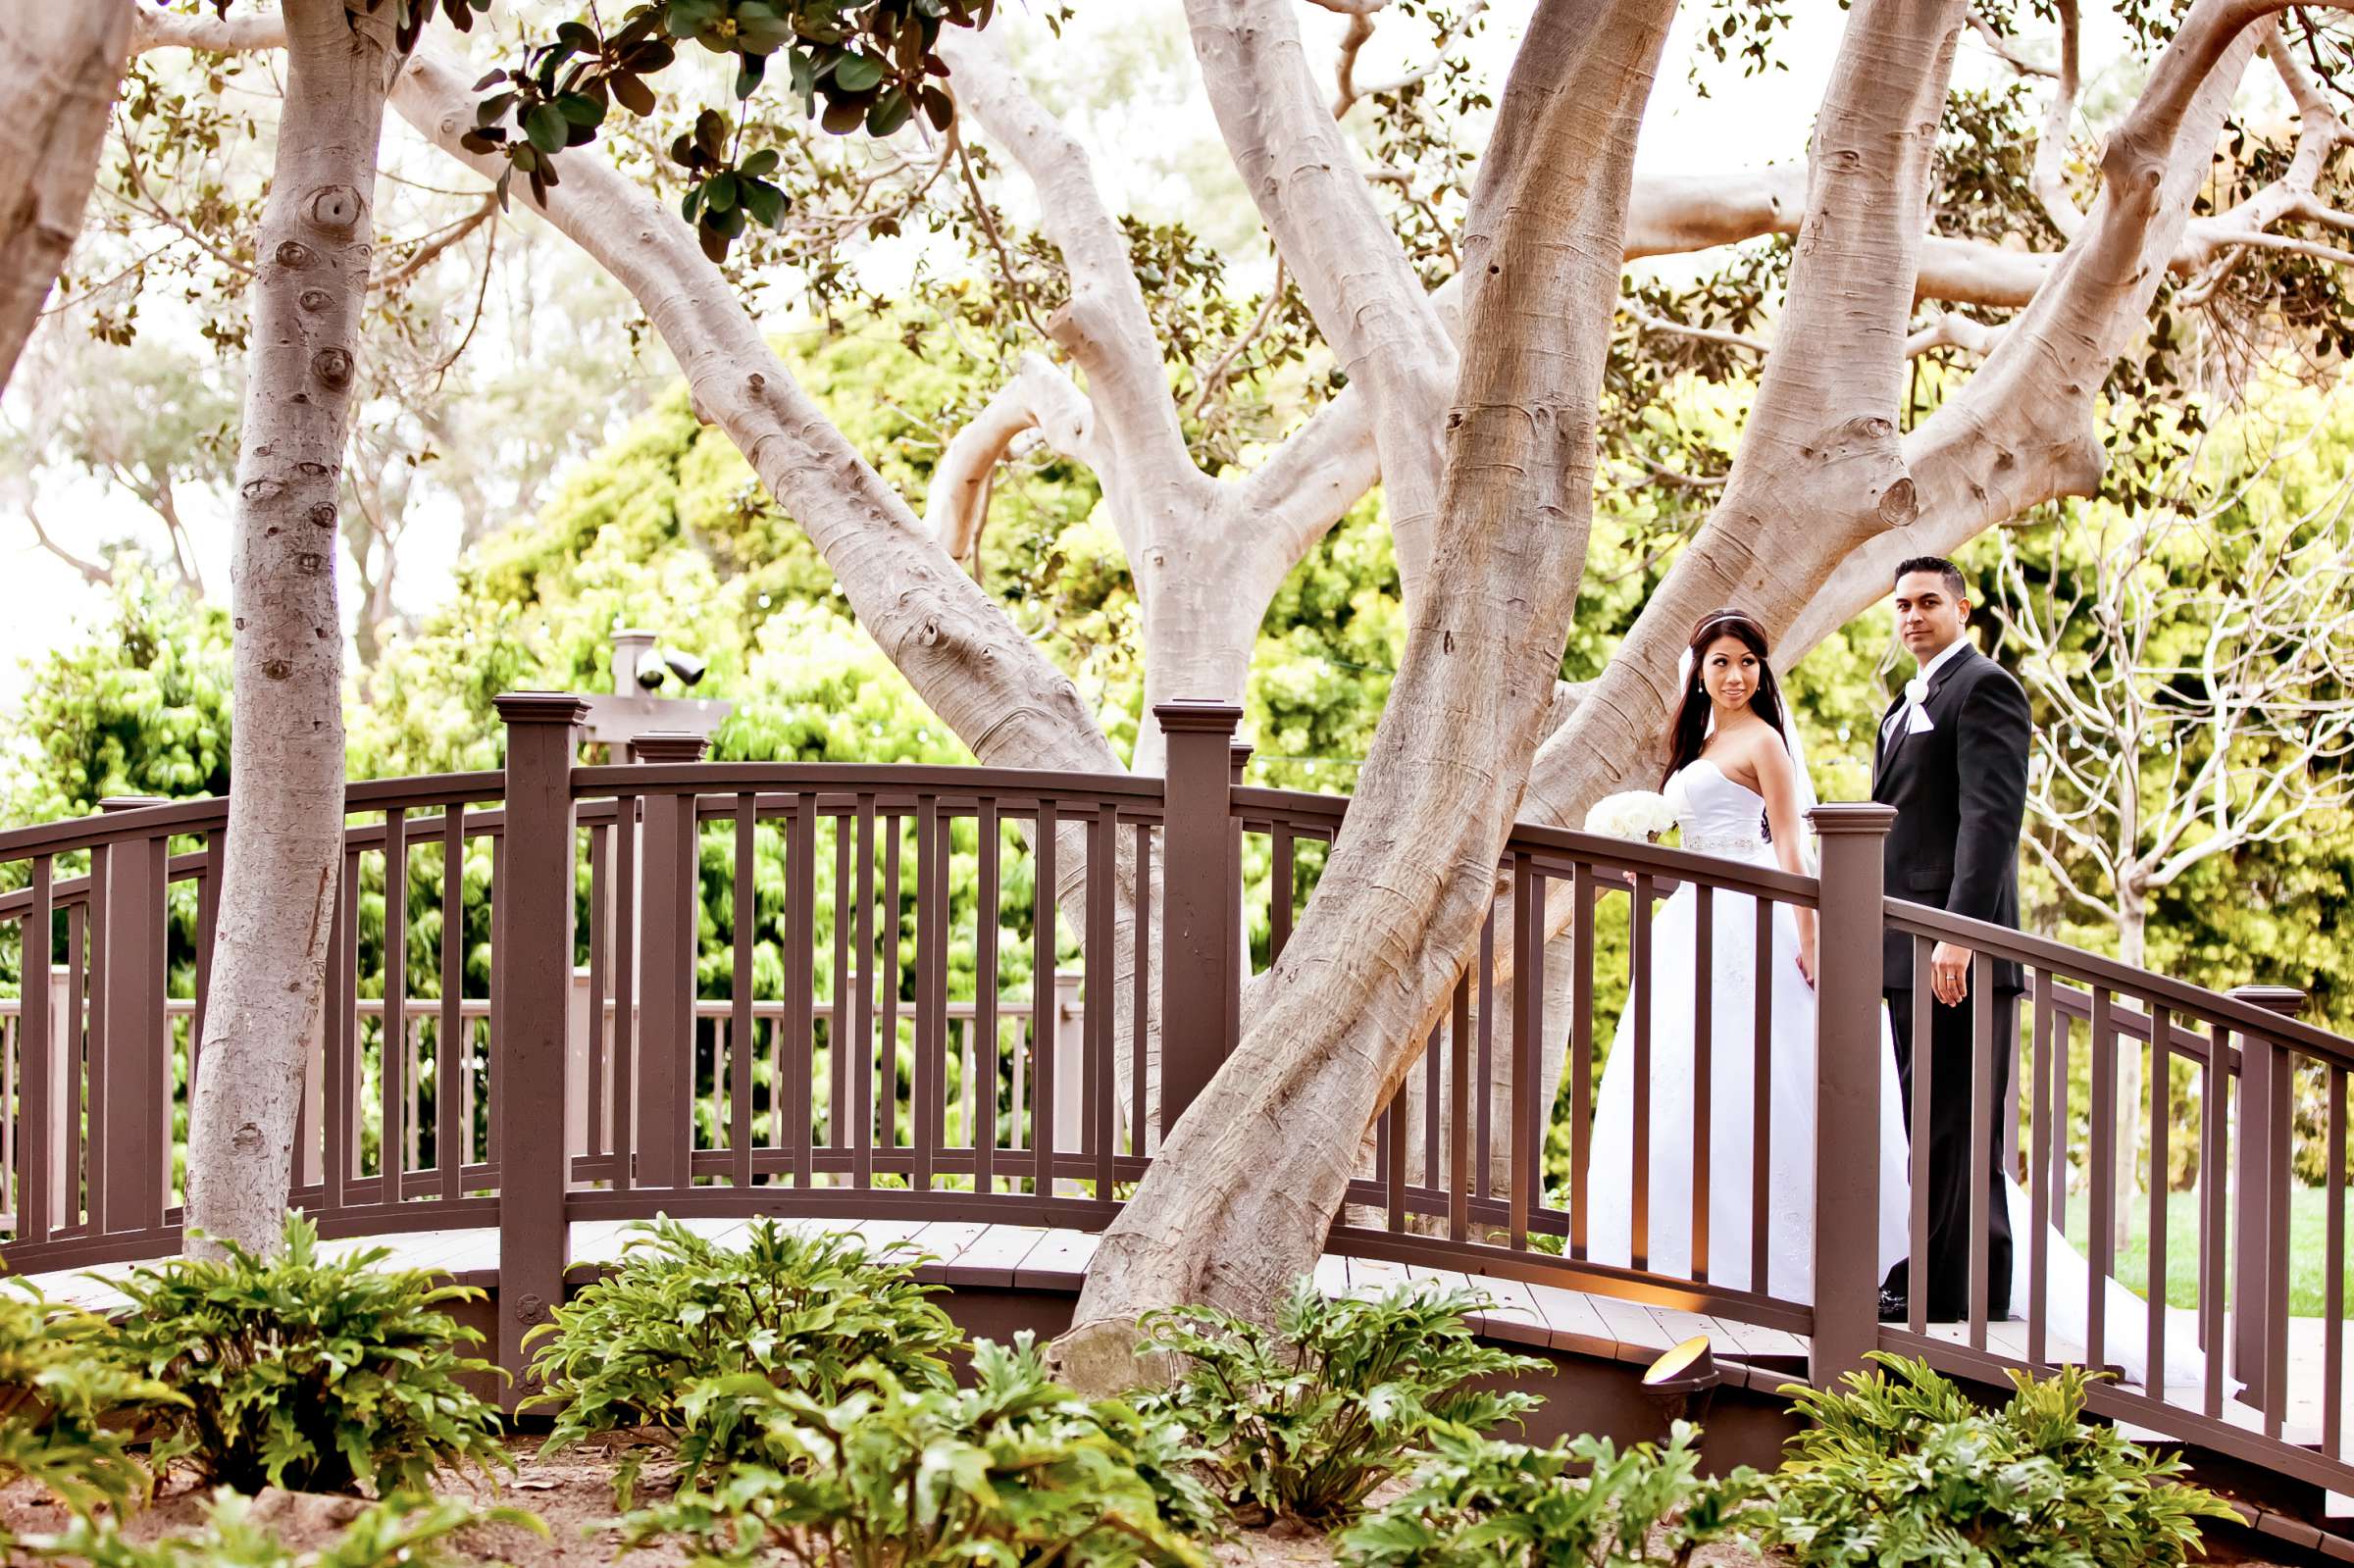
1722, 818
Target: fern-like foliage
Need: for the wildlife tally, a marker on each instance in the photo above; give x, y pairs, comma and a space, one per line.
816, 1314
315, 1374
1012, 1471
1898, 1466
68, 1401
1303, 1418
1480, 1503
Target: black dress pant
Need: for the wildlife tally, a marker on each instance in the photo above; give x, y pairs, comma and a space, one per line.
1946, 1167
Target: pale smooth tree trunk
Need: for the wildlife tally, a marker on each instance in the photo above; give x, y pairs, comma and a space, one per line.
285, 822
63, 59
1239, 1203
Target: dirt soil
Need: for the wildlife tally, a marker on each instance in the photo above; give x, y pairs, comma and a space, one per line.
573, 1492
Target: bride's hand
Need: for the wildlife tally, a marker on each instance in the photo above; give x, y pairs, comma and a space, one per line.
1807, 964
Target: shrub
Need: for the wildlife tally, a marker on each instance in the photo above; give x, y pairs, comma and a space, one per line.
1013, 1470
308, 1374
66, 1401
1303, 1418
404, 1531
1898, 1466
819, 1314
1479, 1503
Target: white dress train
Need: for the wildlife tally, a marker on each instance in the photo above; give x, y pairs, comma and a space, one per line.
1722, 818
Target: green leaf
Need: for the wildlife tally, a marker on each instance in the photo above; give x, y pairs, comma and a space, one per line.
889, 114
761, 27
543, 122
763, 163
686, 18
581, 108
750, 68
633, 92
719, 194
711, 134
764, 202
855, 73
492, 106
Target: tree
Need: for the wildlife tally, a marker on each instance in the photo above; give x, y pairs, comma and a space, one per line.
2102, 291
64, 60
2194, 672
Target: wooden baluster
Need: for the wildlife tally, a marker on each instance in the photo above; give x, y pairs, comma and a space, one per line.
2161, 1122
392, 1032
862, 1026
1923, 1094
452, 1137
743, 906
1761, 1102
1984, 1129
1528, 984
1581, 1054
1103, 963
2038, 1178
1704, 1032
1459, 1081
1140, 1068
627, 1146
36, 1200
1044, 1007
887, 1091
984, 1002
2214, 1123
839, 1070
794, 1044
1639, 990
2334, 1272
1477, 1088
2103, 1170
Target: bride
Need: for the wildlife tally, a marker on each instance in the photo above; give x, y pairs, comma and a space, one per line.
1737, 778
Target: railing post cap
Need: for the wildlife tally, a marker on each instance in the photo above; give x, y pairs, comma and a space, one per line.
1238, 757
1197, 716
541, 707
2286, 1000
669, 745
1851, 816
115, 803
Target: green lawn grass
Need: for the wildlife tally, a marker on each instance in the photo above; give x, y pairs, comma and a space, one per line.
2307, 1222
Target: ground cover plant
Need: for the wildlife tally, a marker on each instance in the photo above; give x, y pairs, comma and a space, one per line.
308, 1373
68, 1404
1013, 1470
1302, 1419
1480, 1503
1898, 1466
822, 1315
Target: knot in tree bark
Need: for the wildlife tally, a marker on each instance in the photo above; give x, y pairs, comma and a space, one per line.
333, 366
315, 299
307, 563
1899, 505
292, 253
314, 470
260, 489
324, 514
277, 669
336, 208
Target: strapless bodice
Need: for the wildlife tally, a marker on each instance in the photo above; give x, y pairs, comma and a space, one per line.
1718, 817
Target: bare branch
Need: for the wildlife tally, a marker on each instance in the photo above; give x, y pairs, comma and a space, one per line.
91, 572
437, 242
2005, 50
1041, 398
2050, 175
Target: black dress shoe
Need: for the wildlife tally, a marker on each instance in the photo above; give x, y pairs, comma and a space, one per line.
1894, 1308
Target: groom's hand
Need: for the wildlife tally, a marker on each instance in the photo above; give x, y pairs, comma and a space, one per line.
1949, 973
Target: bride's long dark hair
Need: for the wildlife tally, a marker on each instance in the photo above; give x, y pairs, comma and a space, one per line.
1689, 732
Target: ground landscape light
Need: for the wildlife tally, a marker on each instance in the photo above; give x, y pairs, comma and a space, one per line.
1683, 1382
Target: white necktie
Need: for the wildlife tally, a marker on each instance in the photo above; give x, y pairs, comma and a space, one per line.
1917, 695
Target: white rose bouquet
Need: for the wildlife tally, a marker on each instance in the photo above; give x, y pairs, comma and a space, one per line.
1631, 813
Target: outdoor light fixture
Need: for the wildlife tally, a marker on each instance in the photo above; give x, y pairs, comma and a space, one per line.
686, 665
1681, 1382
650, 672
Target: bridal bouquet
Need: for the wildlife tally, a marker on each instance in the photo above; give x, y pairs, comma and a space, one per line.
1632, 813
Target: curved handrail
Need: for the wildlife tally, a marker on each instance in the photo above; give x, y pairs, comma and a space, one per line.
2000, 942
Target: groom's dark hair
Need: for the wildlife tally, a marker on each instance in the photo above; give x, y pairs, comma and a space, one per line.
1955, 584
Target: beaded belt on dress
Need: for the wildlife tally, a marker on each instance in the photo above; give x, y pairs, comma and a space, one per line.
1714, 844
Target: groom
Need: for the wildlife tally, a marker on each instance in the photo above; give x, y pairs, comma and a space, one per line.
1953, 761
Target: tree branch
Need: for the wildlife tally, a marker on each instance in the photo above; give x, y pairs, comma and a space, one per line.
1041, 398
437, 242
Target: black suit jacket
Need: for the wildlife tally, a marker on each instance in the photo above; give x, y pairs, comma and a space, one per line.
1960, 791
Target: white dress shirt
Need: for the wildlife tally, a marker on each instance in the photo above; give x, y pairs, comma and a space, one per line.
1917, 689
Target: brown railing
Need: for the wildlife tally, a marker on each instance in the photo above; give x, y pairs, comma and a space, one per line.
947, 993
